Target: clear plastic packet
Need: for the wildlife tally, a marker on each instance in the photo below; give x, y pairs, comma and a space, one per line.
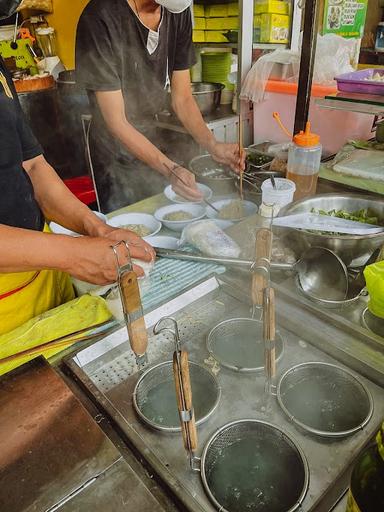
208, 238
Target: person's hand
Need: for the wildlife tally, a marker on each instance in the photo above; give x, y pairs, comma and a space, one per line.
92, 259
184, 183
229, 154
138, 247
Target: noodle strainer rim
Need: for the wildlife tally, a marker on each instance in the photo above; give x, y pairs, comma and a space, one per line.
318, 432
292, 440
175, 429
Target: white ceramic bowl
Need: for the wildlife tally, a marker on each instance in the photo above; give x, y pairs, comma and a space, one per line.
249, 207
176, 198
197, 212
61, 230
163, 242
126, 219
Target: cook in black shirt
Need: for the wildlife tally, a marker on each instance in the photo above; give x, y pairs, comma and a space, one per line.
128, 52
33, 263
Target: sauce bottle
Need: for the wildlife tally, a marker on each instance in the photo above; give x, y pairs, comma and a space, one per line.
304, 158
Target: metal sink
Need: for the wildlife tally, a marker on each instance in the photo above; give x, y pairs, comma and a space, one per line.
108, 371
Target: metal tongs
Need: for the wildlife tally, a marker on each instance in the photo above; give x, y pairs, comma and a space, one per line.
132, 307
183, 392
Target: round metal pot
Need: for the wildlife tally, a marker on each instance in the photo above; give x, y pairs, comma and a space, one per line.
218, 177
250, 465
354, 250
206, 94
324, 399
154, 396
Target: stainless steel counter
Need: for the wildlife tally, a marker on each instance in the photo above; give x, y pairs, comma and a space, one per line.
108, 371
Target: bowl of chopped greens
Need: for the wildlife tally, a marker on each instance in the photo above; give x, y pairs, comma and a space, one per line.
353, 249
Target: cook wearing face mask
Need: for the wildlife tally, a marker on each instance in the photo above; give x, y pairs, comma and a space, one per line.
34, 264
128, 54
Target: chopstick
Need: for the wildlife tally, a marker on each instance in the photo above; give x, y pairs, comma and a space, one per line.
183, 182
241, 152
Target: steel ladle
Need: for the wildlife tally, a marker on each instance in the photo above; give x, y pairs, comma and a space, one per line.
321, 273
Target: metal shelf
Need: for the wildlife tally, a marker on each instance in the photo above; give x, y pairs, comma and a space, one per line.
360, 103
270, 46
221, 45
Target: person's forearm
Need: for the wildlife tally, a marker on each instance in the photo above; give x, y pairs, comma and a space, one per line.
112, 107
25, 250
140, 147
189, 114
57, 202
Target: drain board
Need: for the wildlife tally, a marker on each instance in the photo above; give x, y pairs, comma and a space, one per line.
108, 373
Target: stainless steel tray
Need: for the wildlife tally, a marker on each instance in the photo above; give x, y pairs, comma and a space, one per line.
107, 370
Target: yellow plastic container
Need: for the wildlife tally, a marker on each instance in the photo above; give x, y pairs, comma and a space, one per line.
274, 28
222, 23
198, 36
233, 9
216, 11
374, 277
215, 36
199, 24
272, 7
198, 10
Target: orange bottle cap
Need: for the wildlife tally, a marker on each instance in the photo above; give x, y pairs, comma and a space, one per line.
306, 138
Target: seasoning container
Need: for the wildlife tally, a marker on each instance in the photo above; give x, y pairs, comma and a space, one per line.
273, 199
304, 157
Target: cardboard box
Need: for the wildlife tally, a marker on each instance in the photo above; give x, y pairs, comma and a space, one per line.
199, 24
274, 28
272, 7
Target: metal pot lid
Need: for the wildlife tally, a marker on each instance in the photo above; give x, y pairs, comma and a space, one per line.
253, 466
324, 399
154, 396
238, 344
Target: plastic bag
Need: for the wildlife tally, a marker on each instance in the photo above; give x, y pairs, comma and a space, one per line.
334, 56
374, 278
37, 5
206, 236
254, 84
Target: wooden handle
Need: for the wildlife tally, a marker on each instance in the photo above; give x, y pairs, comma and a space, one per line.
269, 320
262, 253
188, 429
138, 337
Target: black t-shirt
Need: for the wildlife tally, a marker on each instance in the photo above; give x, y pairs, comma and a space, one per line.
112, 54
18, 207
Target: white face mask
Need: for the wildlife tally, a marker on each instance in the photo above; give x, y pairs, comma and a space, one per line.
175, 6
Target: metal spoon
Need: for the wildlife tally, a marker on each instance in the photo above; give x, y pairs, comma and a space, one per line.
273, 181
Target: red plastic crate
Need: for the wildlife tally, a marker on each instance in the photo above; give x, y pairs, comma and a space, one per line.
82, 188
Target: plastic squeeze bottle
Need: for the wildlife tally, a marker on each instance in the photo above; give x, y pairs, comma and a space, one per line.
304, 156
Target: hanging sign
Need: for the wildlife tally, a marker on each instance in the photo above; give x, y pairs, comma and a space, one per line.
345, 17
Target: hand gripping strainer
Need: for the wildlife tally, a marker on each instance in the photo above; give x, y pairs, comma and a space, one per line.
247, 465
154, 396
